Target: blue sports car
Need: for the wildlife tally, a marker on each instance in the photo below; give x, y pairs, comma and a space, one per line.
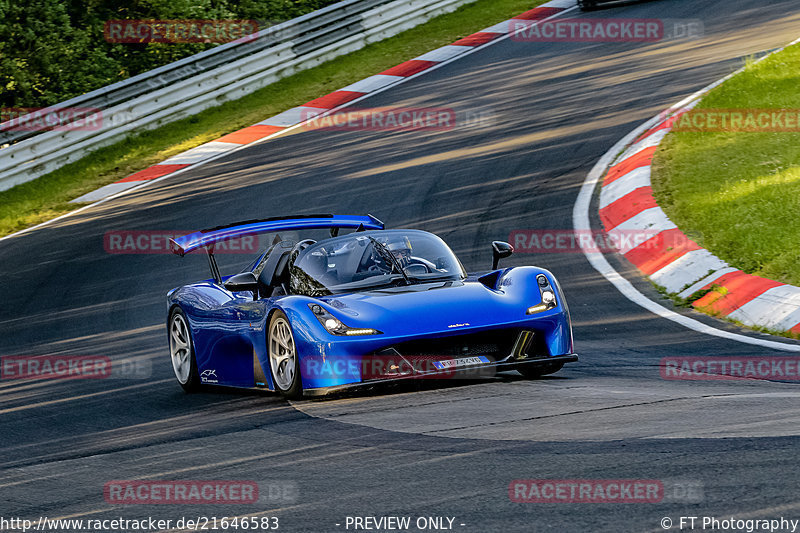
370, 305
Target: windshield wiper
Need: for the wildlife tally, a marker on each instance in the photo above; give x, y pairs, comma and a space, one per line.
432, 278
389, 256
369, 283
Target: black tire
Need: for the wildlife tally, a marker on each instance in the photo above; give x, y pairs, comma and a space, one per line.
181, 350
285, 373
536, 371
587, 5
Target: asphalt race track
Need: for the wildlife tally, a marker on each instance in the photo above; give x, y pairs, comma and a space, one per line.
436, 449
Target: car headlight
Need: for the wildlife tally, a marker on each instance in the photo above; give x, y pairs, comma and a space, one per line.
548, 296
335, 326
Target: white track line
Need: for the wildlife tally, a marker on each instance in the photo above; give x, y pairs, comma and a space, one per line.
284, 131
580, 220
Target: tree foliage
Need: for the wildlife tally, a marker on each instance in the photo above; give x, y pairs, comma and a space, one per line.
52, 50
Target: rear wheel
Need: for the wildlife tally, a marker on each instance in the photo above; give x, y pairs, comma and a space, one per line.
283, 360
537, 371
181, 351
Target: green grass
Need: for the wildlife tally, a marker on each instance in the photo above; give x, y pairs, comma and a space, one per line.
49, 195
739, 192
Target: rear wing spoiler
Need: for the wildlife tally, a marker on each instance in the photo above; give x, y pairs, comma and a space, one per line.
207, 238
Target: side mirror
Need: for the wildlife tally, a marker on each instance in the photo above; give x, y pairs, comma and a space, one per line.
245, 281
500, 250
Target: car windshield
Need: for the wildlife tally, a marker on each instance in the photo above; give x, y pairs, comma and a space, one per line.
372, 259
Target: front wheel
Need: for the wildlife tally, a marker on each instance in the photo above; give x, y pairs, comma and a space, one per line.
283, 360
181, 351
537, 371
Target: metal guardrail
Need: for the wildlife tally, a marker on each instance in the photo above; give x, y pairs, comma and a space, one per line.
212, 77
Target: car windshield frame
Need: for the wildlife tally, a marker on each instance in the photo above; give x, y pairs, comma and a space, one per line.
350, 263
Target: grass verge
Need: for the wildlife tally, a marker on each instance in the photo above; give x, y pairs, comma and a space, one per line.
48, 196
739, 191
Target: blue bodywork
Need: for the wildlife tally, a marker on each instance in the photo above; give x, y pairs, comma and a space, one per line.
229, 329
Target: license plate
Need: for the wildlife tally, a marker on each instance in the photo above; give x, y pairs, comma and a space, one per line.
456, 363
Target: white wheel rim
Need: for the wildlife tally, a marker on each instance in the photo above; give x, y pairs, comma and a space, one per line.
282, 354
180, 348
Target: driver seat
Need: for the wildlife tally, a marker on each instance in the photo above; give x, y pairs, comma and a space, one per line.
269, 280
280, 276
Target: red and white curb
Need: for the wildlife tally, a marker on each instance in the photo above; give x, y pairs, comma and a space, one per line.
673, 261
279, 124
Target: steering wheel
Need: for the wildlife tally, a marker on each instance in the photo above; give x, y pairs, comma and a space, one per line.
299, 247
417, 268
369, 261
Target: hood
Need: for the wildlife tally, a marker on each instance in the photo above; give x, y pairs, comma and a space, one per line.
427, 308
